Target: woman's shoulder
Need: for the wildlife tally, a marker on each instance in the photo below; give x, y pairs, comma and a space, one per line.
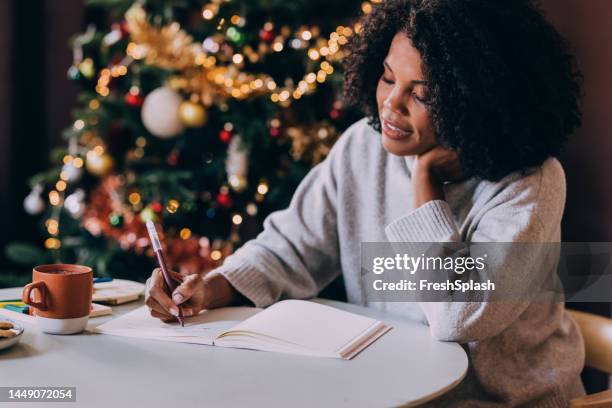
539, 189
546, 179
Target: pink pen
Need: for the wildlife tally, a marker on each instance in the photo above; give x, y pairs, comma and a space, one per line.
170, 282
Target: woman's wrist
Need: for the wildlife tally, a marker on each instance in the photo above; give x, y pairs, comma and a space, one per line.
426, 185
220, 292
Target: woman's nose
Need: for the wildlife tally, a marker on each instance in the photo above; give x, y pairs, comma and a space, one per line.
395, 102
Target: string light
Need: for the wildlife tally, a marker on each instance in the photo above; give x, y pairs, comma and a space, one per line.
237, 59
173, 206
52, 226
278, 46
215, 255
52, 243
208, 14
313, 54
79, 124
185, 233
102, 86
136, 51
134, 198
251, 209
366, 7
263, 188
54, 197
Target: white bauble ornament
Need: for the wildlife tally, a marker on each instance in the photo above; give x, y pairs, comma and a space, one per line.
160, 113
236, 165
33, 204
74, 203
71, 172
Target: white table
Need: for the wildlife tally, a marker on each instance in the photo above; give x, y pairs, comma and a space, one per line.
404, 367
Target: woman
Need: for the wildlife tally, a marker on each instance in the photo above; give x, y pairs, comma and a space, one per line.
468, 103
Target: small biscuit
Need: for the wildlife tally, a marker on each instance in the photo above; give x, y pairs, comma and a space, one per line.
6, 325
7, 333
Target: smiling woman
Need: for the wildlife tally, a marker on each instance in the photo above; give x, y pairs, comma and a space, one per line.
500, 86
401, 98
467, 105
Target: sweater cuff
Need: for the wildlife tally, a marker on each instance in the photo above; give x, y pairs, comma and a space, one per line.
431, 222
247, 280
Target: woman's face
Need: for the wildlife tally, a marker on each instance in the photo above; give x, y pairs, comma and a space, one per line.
401, 96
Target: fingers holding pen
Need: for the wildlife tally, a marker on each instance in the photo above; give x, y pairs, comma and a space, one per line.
156, 297
155, 306
190, 294
186, 289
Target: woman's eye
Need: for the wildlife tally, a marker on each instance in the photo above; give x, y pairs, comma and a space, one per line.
386, 80
421, 99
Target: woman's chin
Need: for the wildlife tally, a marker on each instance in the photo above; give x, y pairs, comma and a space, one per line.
403, 147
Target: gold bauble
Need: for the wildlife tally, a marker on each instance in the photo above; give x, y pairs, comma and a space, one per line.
99, 164
192, 114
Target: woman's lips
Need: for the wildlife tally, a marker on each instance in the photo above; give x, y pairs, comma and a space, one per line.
392, 131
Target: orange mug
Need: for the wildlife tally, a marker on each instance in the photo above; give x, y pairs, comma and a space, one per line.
60, 295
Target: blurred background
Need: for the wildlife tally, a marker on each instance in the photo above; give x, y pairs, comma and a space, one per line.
202, 116
67, 126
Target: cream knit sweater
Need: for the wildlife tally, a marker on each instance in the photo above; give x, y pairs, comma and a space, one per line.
531, 354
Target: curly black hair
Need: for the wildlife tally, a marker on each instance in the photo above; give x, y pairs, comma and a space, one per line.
504, 91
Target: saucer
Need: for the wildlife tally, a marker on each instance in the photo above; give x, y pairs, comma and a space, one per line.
11, 341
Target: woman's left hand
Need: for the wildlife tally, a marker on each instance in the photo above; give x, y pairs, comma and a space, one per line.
431, 170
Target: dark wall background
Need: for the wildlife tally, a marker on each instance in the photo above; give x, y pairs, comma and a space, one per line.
35, 100
588, 157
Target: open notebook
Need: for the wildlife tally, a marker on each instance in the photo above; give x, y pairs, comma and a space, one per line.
290, 326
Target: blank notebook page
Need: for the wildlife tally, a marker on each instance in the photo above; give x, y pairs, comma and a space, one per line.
201, 329
308, 324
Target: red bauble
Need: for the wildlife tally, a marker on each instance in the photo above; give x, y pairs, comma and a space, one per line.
123, 26
173, 158
275, 131
157, 207
335, 114
134, 100
266, 35
224, 200
225, 136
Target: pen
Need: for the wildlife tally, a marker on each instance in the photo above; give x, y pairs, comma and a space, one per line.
101, 280
170, 282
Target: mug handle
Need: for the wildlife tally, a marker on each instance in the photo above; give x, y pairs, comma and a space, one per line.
27, 291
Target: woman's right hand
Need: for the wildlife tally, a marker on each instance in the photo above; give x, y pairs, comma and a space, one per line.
195, 293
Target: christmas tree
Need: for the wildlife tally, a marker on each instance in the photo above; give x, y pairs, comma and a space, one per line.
201, 116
